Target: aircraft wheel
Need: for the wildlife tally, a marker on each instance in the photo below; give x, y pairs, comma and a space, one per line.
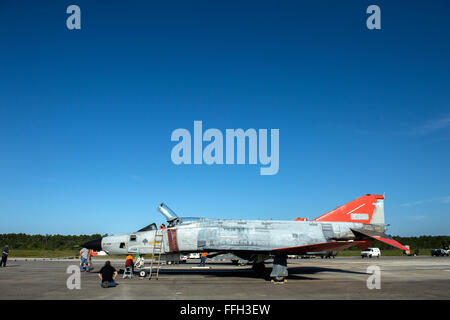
278, 279
142, 273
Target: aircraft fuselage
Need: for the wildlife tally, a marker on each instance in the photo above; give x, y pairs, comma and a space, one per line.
235, 235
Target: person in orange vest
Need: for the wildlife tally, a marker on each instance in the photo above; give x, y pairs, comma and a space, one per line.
129, 262
203, 258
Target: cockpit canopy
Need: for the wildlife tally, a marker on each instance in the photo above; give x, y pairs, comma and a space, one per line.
149, 228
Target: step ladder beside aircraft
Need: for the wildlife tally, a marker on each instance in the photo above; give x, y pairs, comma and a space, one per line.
158, 246
128, 273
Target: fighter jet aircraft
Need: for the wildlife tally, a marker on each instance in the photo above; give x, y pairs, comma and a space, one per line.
357, 223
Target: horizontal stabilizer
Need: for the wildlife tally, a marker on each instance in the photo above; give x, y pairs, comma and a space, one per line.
319, 247
381, 237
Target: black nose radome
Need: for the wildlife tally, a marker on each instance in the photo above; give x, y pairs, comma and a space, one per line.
95, 244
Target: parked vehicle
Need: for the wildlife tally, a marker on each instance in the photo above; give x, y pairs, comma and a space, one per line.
439, 252
371, 252
174, 258
329, 254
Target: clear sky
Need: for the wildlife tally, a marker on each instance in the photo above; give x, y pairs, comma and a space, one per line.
86, 115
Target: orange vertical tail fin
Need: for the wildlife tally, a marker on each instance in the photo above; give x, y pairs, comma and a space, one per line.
366, 209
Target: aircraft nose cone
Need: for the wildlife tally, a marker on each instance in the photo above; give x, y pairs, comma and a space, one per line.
95, 244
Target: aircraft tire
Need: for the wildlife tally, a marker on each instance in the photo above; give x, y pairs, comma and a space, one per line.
142, 273
278, 279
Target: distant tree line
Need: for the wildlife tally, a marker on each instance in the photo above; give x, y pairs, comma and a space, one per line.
63, 242
45, 242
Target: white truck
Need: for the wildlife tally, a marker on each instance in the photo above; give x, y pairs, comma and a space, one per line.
371, 252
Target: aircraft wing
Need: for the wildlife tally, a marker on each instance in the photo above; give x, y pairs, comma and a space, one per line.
326, 246
381, 237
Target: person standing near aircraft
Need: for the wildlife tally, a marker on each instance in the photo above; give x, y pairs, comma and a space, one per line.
203, 258
139, 261
107, 275
91, 253
129, 262
5, 253
84, 256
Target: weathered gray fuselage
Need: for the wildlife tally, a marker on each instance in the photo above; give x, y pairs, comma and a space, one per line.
214, 235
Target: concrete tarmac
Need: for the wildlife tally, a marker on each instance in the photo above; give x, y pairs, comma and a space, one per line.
340, 278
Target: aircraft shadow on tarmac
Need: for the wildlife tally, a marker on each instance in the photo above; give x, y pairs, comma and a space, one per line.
296, 273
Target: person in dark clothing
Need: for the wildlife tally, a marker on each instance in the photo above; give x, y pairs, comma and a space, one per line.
5, 253
107, 275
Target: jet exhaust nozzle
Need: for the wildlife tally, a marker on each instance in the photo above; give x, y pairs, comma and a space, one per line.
95, 244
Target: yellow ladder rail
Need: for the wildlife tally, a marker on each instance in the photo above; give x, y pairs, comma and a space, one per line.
158, 246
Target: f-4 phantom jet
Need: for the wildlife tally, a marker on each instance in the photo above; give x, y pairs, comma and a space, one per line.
357, 223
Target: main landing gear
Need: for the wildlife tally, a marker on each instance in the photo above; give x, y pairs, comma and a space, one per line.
279, 269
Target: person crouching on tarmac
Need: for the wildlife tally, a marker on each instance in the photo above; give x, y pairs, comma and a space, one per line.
107, 275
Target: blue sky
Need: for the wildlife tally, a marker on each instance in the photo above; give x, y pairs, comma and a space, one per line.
86, 115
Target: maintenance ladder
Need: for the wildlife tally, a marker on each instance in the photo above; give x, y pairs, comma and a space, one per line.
158, 246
